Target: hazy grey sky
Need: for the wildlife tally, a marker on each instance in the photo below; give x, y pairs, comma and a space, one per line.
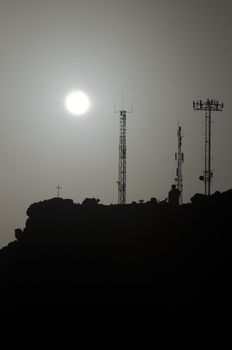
162, 54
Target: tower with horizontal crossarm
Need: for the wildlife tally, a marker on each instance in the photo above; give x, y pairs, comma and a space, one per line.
208, 106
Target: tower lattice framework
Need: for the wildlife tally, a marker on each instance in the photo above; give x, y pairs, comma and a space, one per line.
122, 160
208, 106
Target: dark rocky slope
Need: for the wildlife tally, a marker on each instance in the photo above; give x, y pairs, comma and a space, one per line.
139, 255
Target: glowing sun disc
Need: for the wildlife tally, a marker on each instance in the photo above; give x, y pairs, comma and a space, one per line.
77, 103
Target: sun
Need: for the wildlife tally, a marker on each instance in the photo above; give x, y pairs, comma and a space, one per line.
77, 103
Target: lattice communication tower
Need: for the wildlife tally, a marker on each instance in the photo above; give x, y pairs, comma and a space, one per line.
122, 156
208, 106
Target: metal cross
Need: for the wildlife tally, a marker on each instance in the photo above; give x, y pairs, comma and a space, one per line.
58, 190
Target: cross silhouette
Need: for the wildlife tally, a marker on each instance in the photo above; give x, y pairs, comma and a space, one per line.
58, 190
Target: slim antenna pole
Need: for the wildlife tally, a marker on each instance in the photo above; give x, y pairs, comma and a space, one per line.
179, 156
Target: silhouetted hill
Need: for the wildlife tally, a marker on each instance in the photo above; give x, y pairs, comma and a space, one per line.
143, 255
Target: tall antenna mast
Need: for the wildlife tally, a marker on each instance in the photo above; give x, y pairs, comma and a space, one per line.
122, 155
179, 156
207, 106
